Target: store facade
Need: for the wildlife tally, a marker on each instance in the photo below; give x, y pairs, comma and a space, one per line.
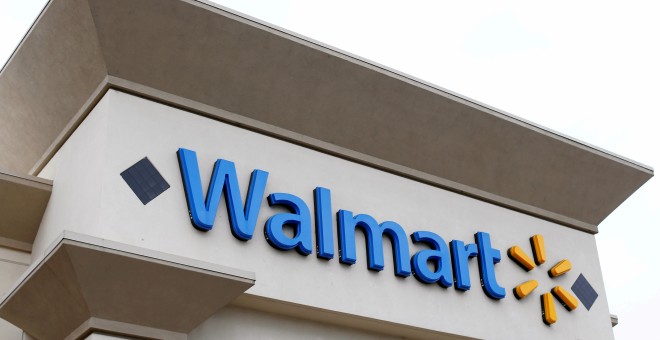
178, 171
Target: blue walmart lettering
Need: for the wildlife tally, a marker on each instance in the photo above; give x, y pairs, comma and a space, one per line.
450, 264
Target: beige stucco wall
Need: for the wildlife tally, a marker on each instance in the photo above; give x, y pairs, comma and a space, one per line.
90, 197
241, 323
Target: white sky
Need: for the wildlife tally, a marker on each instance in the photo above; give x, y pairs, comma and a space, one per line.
588, 69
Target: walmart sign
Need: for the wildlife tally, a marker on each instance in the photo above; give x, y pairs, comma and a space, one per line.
450, 260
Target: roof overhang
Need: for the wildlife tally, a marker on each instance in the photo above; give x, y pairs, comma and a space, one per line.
23, 201
233, 68
141, 292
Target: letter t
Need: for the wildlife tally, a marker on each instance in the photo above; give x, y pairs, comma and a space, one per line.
487, 259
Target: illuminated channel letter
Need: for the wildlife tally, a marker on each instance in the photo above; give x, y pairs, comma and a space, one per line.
488, 257
567, 300
561, 268
538, 248
460, 254
242, 219
300, 219
548, 312
522, 290
438, 255
325, 244
374, 233
518, 256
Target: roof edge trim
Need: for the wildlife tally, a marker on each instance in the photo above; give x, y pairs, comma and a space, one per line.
421, 83
224, 116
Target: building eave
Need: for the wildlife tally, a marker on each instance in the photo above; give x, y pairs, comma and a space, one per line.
230, 67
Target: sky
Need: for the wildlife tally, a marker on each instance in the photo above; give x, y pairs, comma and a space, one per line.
587, 69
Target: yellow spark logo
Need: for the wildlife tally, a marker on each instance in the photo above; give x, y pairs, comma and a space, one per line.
522, 290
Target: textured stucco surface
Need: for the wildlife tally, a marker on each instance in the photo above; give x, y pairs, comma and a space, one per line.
191, 50
125, 130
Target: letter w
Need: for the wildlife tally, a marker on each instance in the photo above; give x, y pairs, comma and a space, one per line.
242, 219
